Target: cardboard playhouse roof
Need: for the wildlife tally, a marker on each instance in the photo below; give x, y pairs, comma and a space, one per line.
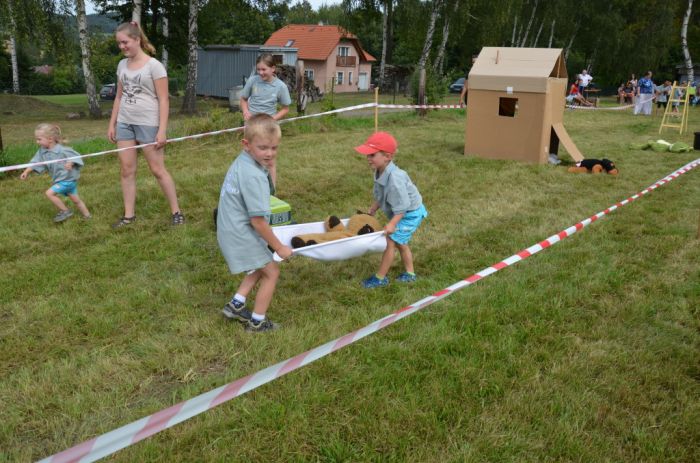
516, 69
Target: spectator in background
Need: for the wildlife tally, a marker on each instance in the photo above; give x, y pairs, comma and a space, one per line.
575, 95
625, 93
662, 93
584, 80
645, 95
633, 82
692, 94
465, 89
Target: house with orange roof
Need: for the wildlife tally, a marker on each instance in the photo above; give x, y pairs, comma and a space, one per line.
329, 52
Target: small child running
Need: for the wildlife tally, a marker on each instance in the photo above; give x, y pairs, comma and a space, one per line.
63, 174
400, 201
243, 229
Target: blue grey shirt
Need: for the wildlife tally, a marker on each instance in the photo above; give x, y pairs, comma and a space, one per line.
263, 96
57, 170
395, 192
244, 194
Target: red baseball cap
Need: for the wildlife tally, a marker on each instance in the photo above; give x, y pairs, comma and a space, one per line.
379, 141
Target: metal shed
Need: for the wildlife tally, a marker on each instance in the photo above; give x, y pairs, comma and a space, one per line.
222, 67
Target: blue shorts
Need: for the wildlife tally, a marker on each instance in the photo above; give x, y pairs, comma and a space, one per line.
408, 225
65, 188
141, 133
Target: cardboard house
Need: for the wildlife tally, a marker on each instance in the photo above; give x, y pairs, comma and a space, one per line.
516, 105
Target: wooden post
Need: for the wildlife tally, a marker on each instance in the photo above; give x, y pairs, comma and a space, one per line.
699, 227
301, 94
1, 148
376, 109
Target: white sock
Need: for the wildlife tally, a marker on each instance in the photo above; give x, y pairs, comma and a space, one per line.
258, 317
239, 298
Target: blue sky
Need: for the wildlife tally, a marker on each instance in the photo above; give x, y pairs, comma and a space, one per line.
314, 3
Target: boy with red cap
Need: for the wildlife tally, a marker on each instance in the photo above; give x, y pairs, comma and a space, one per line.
400, 201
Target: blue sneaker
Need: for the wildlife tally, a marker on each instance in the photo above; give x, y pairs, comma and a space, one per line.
374, 282
406, 277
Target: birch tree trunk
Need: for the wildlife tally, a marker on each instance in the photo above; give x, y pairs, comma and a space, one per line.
439, 61
136, 12
529, 25
93, 102
537, 37
551, 35
166, 35
427, 45
684, 43
571, 42
190, 100
385, 36
515, 28
13, 49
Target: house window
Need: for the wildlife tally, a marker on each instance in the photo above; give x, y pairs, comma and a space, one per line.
508, 107
289, 43
349, 77
309, 73
277, 59
343, 51
339, 78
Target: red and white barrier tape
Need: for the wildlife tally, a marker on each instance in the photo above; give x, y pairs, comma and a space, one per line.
188, 137
125, 436
612, 108
420, 106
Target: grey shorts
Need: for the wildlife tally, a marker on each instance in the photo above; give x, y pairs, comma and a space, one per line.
140, 133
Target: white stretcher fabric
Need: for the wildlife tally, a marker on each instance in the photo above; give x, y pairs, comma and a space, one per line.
342, 249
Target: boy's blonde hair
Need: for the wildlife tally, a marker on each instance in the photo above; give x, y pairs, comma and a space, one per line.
261, 125
133, 30
267, 59
51, 131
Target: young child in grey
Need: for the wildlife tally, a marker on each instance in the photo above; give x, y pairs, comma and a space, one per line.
399, 199
243, 231
64, 175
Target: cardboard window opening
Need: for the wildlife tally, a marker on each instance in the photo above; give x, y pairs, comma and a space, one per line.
507, 107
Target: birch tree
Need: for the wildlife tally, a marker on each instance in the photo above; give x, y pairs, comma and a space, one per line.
136, 12
551, 35
684, 43
428, 44
190, 101
529, 25
439, 61
166, 34
13, 48
385, 37
93, 103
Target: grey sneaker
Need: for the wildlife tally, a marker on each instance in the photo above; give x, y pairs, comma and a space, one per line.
259, 327
554, 159
235, 310
63, 215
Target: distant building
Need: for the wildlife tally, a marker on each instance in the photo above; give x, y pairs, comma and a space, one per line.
329, 52
221, 68
682, 73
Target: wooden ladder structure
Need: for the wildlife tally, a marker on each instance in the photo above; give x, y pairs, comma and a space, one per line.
669, 115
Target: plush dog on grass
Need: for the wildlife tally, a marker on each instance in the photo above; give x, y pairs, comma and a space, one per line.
594, 166
358, 224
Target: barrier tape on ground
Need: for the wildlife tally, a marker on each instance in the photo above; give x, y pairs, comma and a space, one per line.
128, 435
188, 137
420, 106
613, 108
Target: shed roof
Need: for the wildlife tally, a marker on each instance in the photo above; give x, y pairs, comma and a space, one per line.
315, 42
522, 69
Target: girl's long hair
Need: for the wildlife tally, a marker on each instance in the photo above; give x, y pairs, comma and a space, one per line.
133, 30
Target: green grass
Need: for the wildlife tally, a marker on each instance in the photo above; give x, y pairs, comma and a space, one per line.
587, 351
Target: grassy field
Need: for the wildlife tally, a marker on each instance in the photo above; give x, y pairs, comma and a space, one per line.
586, 352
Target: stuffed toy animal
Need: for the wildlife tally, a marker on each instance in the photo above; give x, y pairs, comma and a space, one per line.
595, 166
358, 224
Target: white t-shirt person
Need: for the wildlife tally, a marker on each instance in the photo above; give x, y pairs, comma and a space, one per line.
586, 78
139, 103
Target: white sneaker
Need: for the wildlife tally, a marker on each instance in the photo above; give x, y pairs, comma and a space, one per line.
554, 160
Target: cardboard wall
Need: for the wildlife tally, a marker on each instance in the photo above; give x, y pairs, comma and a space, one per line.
519, 138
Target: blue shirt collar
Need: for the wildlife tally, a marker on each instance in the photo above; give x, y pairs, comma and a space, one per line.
384, 178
